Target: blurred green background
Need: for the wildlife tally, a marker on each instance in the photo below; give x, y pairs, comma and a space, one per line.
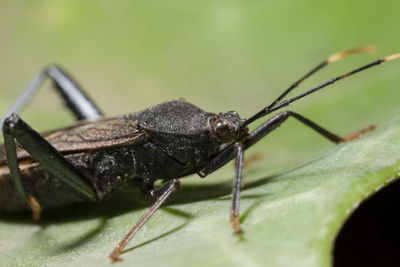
219, 55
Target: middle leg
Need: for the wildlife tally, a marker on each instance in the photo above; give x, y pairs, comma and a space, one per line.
72, 94
163, 192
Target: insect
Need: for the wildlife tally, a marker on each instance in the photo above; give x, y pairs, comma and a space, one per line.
93, 158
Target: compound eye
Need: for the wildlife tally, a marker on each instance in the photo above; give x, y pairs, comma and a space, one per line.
221, 129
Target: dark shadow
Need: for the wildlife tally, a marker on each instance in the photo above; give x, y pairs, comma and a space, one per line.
178, 213
117, 204
371, 236
246, 213
156, 238
81, 240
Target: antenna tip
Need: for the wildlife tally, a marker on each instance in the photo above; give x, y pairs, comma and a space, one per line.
391, 57
362, 49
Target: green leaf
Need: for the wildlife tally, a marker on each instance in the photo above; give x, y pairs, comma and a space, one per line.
290, 218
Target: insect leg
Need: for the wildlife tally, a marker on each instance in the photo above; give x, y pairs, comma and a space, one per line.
72, 94
163, 192
236, 150
45, 154
234, 216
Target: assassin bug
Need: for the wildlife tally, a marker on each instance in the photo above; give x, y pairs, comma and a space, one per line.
89, 160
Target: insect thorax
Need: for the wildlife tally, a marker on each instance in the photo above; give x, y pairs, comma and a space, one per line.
180, 130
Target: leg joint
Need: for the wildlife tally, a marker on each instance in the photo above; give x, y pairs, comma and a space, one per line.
50, 69
10, 122
175, 183
238, 146
157, 192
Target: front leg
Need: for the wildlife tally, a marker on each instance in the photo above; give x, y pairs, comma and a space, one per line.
43, 152
236, 150
237, 184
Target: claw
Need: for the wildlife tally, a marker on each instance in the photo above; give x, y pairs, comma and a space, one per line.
114, 256
358, 133
236, 224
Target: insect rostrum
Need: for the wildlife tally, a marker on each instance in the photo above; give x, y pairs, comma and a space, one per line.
93, 158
